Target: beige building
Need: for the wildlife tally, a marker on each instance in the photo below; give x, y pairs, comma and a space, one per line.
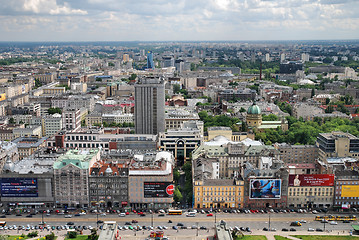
175, 116
28, 145
297, 153
53, 90
71, 177
93, 118
337, 145
29, 131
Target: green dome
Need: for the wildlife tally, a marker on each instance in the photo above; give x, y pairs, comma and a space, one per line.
254, 109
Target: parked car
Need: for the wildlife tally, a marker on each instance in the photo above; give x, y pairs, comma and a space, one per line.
285, 229
311, 229
292, 229
319, 230
209, 215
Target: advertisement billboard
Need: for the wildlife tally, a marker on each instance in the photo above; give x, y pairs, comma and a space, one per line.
265, 188
305, 180
350, 191
158, 189
19, 187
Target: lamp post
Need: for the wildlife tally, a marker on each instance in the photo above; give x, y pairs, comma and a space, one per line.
152, 214
197, 230
42, 217
97, 213
269, 221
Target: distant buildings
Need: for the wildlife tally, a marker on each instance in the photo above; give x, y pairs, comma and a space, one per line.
150, 63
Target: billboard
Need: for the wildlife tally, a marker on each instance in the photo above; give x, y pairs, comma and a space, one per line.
350, 191
265, 188
305, 180
19, 187
158, 189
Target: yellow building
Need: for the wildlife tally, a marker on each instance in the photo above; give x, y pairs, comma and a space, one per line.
54, 90
218, 193
226, 132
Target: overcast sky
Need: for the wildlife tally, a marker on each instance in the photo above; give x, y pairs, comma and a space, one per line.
177, 20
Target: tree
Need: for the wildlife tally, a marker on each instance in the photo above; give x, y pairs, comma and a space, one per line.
329, 109
327, 101
313, 93
177, 195
132, 77
54, 110
242, 110
72, 234
93, 235
176, 88
12, 121
270, 117
50, 236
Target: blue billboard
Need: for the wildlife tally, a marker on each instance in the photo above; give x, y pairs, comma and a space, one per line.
19, 187
265, 188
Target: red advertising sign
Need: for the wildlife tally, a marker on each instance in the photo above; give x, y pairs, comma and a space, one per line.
302, 180
170, 189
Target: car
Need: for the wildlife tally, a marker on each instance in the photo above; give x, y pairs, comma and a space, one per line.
130, 227
346, 221
315, 212
70, 223
209, 215
18, 215
160, 227
311, 229
125, 227
333, 223
203, 228
143, 215
161, 215
99, 221
292, 229
29, 216
285, 229
175, 227
248, 229
183, 227
303, 221
273, 230
319, 230
77, 215
127, 213
265, 229
68, 216
194, 227
134, 221
128, 223
180, 224
296, 224
165, 227
324, 221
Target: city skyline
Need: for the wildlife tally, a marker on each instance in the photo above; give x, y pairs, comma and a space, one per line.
217, 20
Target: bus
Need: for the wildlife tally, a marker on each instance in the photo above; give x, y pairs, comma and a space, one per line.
174, 212
2, 223
319, 218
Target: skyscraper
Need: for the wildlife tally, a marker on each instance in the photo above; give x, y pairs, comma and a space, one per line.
150, 106
150, 63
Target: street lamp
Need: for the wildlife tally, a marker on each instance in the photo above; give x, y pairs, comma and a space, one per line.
97, 213
269, 221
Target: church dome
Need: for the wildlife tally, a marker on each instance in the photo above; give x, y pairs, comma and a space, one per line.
254, 109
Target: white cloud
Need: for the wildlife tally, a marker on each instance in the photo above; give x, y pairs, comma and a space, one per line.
179, 19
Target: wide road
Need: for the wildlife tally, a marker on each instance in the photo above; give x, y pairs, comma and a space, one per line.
252, 220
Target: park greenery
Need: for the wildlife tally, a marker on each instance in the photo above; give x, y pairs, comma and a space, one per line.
306, 132
219, 120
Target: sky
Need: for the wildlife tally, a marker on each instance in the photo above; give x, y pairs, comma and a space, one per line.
178, 20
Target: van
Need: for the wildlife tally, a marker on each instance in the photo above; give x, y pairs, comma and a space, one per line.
191, 214
122, 214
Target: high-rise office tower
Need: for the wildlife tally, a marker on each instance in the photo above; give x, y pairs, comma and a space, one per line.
150, 63
150, 106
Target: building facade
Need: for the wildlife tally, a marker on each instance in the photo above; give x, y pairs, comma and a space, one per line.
149, 106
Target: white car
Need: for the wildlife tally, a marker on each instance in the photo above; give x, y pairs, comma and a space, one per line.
310, 229
122, 214
68, 216
333, 223
303, 221
103, 214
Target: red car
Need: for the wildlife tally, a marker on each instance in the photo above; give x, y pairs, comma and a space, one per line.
209, 215
127, 213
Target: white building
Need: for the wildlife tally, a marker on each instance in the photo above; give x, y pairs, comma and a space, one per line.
52, 124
